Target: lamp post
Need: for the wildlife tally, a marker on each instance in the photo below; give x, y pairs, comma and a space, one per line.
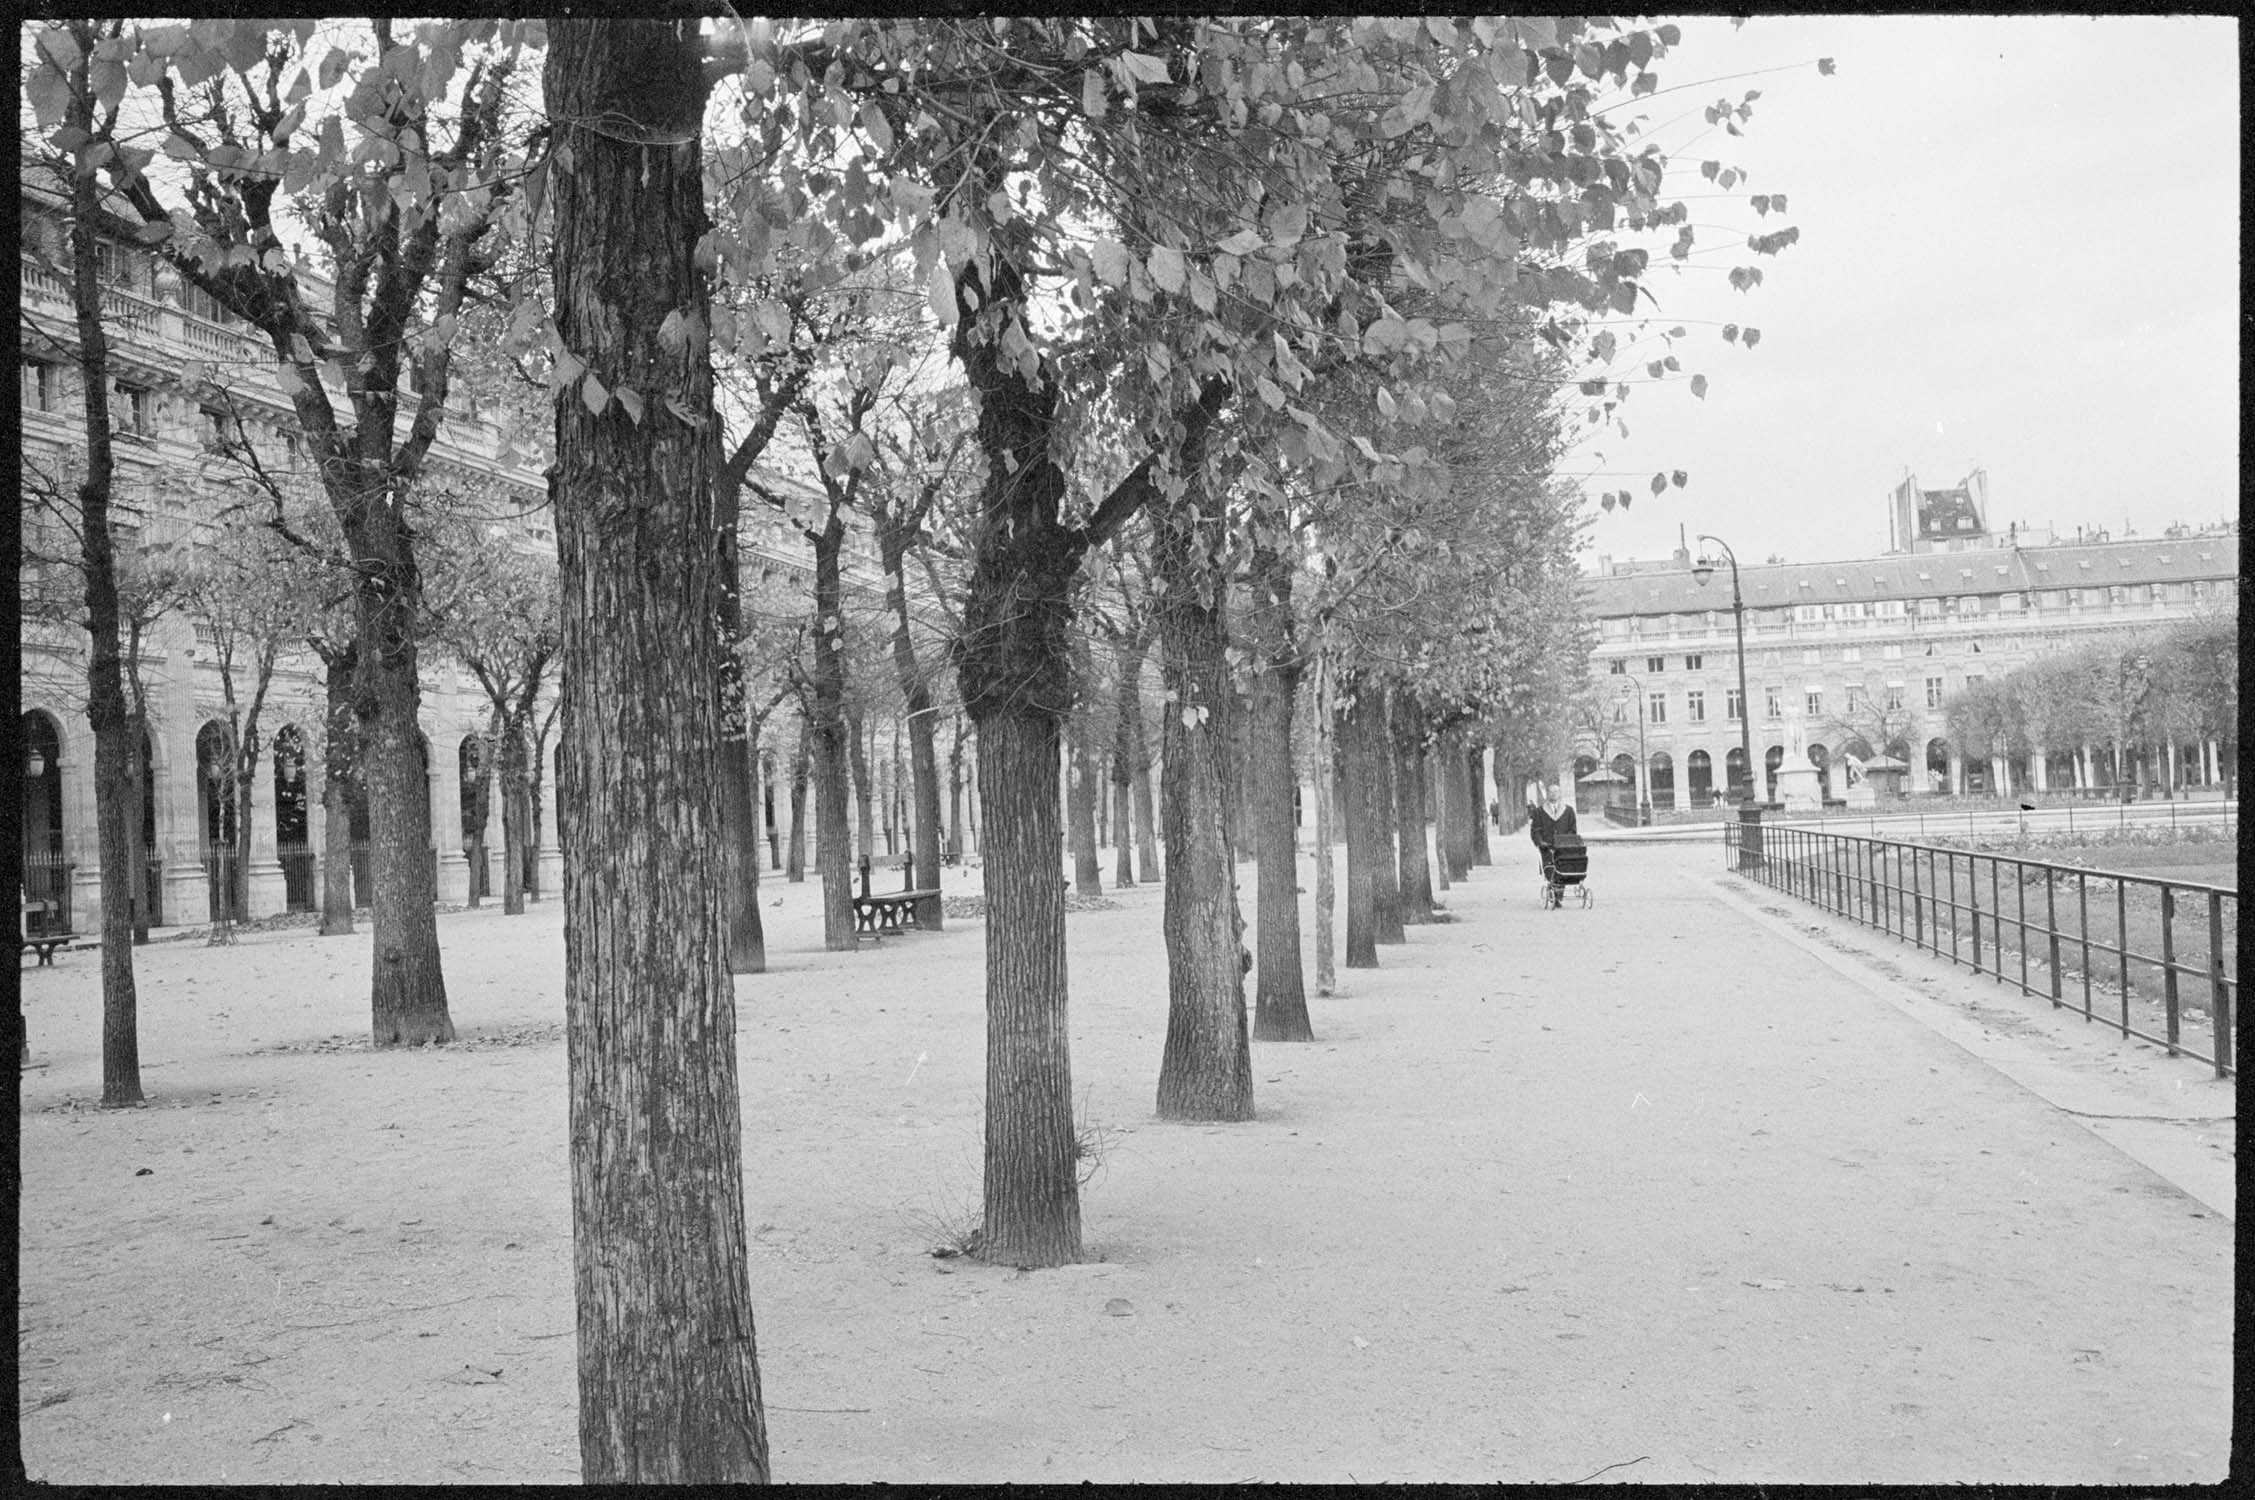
1643, 766
1701, 571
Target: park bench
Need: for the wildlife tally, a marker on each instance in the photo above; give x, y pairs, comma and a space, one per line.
46, 940
891, 915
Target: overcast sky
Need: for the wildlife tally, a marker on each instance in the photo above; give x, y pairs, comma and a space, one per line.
2019, 250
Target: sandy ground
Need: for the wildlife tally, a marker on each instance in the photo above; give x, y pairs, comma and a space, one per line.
1695, 1184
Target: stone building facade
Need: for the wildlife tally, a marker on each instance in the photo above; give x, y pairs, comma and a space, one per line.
1881, 641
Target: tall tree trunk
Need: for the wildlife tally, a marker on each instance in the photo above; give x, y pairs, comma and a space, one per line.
408, 999
857, 732
1088, 877
1013, 671
337, 778
833, 840
1139, 783
510, 752
1360, 798
1406, 719
955, 796
1280, 997
669, 1388
1439, 767
923, 759
106, 707
794, 865
1205, 1071
1386, 868
1127, 714
747, 938
1474, 783
1326, 822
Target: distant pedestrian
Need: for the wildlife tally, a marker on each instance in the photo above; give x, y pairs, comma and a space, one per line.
1548, 819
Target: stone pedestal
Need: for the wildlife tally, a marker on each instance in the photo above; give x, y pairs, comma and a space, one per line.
267, 893
550, 861
1861, 794
1800, 788
453, 878
187, 894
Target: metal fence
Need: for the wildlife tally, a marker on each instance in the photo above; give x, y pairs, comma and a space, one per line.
2053, 929
298, 873
46, 893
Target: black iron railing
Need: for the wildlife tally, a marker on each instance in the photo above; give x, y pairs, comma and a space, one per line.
2052, 929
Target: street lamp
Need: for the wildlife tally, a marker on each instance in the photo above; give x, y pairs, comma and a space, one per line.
1643, 766
1701, 571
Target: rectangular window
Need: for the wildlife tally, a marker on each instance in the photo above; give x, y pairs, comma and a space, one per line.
217, 432
1657, 705
42, 385
1855, 698
1972, 681
136, 410
121, 267
1617, 666
1816, 704
1851, 653
1693, 662
1810, 656
1894, 695
1892, 653
1695, 707
1734, 707
1933, 692
1776, 705
1655, 664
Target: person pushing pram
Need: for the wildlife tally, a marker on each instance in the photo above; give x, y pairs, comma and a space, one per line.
1558, 841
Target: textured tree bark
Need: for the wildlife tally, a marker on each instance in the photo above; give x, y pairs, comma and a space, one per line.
832, 839
864, 792
1205, 1071
923, 759
1476, 805
955, 796
1356, 797
408, 993
747, 938
1139, 786
669, 1387
1012, 668
1406, 720
338, 759
1088, 877
116, 747
511, 750
1439, 807
794, 865
1326, 822
1280, 997
1379, 789
1127, 747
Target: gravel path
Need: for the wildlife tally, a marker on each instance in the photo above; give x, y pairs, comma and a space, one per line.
1691, 1185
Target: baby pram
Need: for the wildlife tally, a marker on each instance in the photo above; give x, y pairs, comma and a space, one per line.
1565, 861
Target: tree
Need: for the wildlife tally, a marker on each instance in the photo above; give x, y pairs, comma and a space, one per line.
668, 1363
66, 58
499, 619
401, 218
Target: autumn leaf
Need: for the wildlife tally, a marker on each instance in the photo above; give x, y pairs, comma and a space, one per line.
1165, 264
1699, 386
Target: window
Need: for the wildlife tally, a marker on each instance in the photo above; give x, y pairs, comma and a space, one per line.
136, 410
120, 266
1776, 704
1695, 706
1816, 703
1851, 653
1892, 653
1656, 704
1617, 666
217, 431
1973, 681
1933, 692
1855, 698
1655, 664
1894, 695
1734, 707
1811, 656
42, 385
1693, 662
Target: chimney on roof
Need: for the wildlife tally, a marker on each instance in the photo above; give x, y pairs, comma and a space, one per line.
1682, 554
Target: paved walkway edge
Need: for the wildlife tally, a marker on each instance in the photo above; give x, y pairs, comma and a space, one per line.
2161, 1140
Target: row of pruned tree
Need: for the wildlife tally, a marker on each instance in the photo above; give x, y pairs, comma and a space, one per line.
2133, 694
1280, 315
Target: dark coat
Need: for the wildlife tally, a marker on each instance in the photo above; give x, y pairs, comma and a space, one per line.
1543, 828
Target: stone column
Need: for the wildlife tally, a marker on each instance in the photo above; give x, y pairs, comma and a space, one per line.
1957, 772
551, 853
446, 819
187, 893
2083, 766
265, 892
2039, 768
